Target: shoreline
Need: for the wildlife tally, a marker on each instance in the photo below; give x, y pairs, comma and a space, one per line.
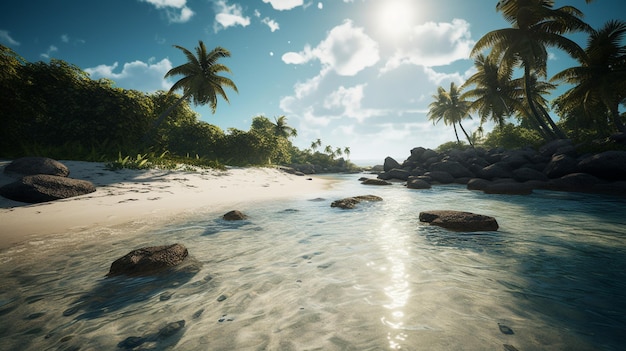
152, 195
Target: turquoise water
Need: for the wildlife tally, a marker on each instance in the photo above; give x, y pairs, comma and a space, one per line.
299, 275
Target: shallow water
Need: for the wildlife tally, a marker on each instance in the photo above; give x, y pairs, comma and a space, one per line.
301, 275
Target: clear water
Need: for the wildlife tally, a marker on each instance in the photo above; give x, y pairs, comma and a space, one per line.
299, 275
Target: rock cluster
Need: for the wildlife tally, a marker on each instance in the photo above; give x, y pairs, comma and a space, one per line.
42, 179
555, 166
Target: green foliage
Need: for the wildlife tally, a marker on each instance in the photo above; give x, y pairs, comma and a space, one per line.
512, 137
452, 145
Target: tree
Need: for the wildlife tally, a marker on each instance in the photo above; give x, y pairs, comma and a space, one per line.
201, 81
451, 108
496, 96
600, 80
535, 26
281, 129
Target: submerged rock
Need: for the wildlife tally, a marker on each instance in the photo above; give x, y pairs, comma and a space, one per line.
149, 260
369, 181
351, 202
44, 187
459, 221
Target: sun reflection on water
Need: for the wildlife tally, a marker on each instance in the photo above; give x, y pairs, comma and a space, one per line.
393, 244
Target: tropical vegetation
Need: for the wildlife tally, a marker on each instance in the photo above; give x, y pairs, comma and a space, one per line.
587, 112
55, 109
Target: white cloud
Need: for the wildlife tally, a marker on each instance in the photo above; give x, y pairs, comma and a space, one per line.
281, 5
348, 100
346, 50
6, 38
177, 11
274, 26
138, 75
320, 5
51, 49
65, 38
434, 44
229, 16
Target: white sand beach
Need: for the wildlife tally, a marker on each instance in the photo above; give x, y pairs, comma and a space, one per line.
150, 195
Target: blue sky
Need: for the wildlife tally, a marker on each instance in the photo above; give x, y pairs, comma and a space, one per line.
356, 73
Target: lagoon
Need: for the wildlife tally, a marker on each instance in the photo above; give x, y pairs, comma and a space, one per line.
299, 275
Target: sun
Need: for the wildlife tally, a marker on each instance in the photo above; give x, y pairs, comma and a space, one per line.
395, 18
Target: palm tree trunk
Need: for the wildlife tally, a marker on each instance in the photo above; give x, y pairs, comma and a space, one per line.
559, 133
456, 133
533, 109
469, 140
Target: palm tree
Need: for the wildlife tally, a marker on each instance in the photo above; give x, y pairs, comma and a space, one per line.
316, 144
535, 26
346, 151
201, 81
281, 129
600, 80
494, 93
451, 108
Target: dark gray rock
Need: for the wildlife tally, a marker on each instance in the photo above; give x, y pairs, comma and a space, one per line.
43, 188
459, 221
455, 169
508, 188
429, 154
36, 165
524, 174
561, 165
579, 182
396, 173
234, 215
440, 177
149, 260
416, 183
351, 202
390, 164
478, 184
549, 149
494, 171
370, 181
610, 165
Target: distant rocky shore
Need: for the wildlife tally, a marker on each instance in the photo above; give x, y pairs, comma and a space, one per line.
555, 166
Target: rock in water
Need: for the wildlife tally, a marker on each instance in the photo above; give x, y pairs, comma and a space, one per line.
43, 188
149, 260
459, 221
351, 202
37, 165
234, 215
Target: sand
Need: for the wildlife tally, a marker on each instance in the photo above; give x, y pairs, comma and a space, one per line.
151, 195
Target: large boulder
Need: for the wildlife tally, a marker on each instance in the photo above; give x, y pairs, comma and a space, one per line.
459, 221
149, 260
396, 173
561, 165
494, 171
351, 202
36, 165
416, 183
478, 184
390, 164
440, 177
43, 187
580, 182
610, 165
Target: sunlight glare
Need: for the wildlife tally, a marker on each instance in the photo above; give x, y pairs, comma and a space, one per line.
395, 17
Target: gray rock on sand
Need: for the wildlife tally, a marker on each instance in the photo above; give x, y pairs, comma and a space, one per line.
36, 165
351, 202
459, 221
370, 181
43, 187
234, 215
149, 260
